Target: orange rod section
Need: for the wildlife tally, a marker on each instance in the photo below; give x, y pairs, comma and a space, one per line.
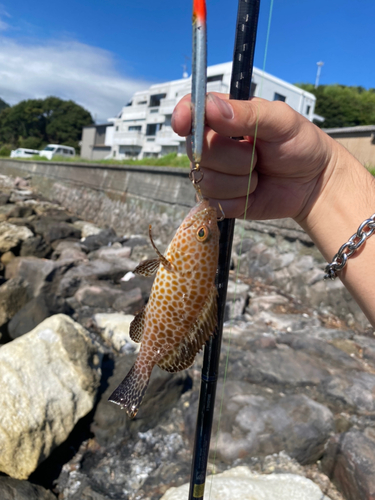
199, 10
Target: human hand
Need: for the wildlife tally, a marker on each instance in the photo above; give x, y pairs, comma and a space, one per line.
292, 163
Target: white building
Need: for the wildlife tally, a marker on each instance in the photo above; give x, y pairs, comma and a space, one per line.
143, 128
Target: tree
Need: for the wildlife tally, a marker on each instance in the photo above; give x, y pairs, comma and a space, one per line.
36, 122
3, 104
343, 106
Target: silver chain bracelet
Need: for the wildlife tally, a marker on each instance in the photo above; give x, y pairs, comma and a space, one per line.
339, 261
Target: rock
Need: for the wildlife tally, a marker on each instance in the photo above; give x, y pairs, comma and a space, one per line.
7, 257
20, 195
100, 295
111, 424
21, 211
280, 366
36, 247
129, 302
110, 254
356, 390
115, 329
241, 484
104, 238
50, 377
86, 228
4, 198
93, 271
52, 229
11, 236
67, 249
14, 489
255, 425
34, 312
349, 461
14, 294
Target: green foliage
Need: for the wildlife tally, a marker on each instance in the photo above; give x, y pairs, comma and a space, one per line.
3, 104
343, 106
37, 122
5, 150
170, 160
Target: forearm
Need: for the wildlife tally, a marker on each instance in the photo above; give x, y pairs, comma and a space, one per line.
348, 198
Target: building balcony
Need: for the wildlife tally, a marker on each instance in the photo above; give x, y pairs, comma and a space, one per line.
167, 106
134, 112
128, 138
168, 138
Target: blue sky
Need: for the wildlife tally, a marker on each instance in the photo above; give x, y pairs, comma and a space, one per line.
99, 53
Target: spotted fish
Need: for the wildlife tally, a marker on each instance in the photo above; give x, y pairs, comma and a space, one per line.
181, 312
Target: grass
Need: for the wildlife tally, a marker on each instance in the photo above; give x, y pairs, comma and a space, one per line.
170, 160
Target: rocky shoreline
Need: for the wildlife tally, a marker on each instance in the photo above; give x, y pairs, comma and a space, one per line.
298, 402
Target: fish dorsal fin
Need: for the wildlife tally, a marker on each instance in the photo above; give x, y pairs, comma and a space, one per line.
161, 259
183, 356
137, 326
147, 267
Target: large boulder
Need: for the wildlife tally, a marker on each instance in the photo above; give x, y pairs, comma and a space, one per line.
14, 489
49, 381
241, 484
11, 236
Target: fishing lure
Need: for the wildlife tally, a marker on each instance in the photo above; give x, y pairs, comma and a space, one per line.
181, 313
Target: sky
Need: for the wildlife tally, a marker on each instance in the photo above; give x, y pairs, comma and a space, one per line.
98, 53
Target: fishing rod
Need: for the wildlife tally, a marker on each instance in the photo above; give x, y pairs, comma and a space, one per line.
242, 69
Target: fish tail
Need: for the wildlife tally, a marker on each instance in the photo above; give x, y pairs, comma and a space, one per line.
129, 394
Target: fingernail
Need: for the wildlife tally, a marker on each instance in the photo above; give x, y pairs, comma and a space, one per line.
173, 119
224, 107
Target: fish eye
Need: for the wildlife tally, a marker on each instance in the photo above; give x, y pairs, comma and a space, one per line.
202, 233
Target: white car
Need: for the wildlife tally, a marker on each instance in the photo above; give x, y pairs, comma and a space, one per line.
57, 150
24, 153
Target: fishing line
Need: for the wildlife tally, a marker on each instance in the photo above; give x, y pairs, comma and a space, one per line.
242, 233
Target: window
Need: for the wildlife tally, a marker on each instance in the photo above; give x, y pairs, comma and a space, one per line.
135, 128
141, 102
155, 100
154, 110
308, 110
215, 78
279, 97
253, 89
153, 128
116, 129
114, 154
150, 139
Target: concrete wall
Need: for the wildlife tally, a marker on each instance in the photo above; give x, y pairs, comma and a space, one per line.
127, 198
362, 146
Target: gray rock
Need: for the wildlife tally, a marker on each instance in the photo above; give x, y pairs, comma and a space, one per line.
282, 365
52, 229
14, 294
36, 247
35, 311
11, 236
111, 253
50, 380
349, 461
105, 237
115, 330
92, 271
14, 489
4, 198
255, 425
356, 390
242, 484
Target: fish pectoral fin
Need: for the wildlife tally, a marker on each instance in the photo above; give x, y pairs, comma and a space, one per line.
168, 265
148, 267
203, 328
137, 326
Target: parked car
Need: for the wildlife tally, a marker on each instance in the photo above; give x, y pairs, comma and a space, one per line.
57, 150
23, 153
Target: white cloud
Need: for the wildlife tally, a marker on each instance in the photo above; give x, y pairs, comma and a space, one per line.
66, 69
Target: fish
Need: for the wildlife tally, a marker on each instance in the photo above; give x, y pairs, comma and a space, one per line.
181, 313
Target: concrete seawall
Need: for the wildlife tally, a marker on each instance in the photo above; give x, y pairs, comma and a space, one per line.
127, 198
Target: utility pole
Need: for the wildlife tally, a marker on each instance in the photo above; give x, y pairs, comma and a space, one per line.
319, 64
